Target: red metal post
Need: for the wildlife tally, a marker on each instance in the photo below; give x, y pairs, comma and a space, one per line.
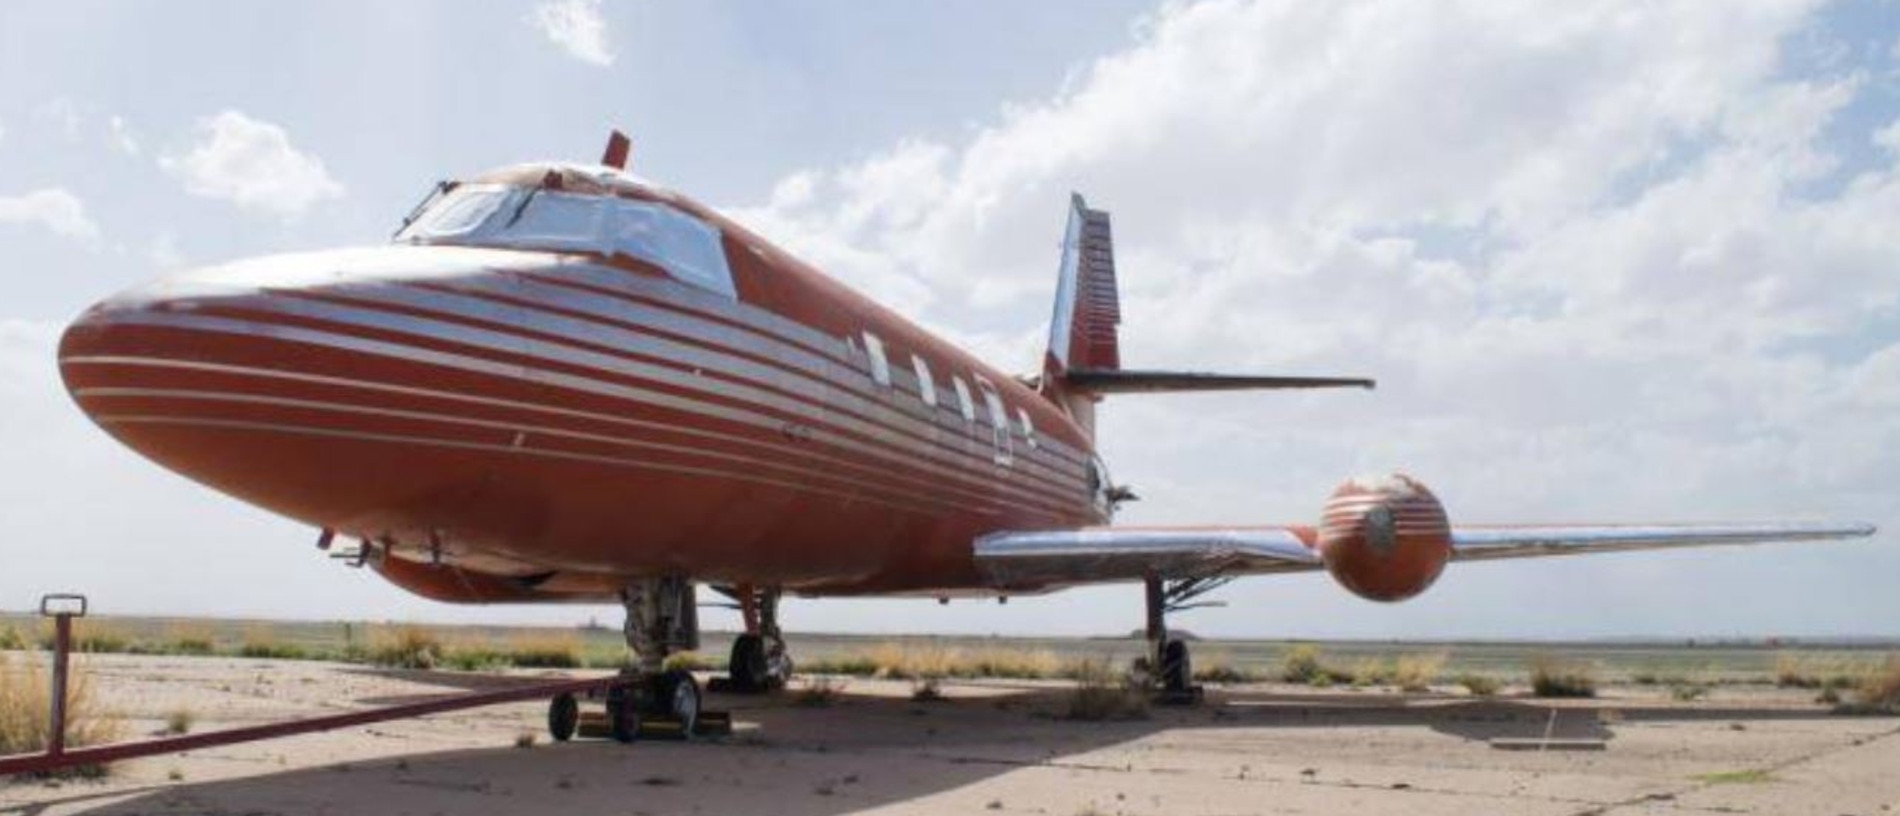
62, 646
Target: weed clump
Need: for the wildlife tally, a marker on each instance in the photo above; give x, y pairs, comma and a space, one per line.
1100, 693
408, 647
1479, 685
180, 721
1556, 677
1302, 665
1878, 692
686, 661
26, 698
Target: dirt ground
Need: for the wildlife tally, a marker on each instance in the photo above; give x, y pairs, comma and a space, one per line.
989, 747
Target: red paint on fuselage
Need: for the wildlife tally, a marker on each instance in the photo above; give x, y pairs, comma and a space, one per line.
558, 422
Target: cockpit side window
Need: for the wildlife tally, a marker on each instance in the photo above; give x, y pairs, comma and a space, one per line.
550, 219
684, 246
459, 212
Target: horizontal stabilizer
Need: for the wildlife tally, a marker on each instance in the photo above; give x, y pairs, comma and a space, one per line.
1105, 381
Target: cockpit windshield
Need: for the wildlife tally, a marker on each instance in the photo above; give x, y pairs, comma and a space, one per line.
501, 215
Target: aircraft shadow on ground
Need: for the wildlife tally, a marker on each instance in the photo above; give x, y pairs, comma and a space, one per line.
859, 752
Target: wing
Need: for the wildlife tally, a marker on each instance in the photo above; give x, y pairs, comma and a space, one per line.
1054, 558
1489, 543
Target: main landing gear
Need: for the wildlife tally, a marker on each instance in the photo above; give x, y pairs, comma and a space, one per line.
1170, 672
759, 662
653, 701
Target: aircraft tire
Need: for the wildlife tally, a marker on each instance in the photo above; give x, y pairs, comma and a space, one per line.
564, 718
1177, 671
747, 668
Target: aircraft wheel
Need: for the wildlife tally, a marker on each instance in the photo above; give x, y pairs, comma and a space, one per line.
680, 696
747, 668
1177, 672
564, 717
623, 713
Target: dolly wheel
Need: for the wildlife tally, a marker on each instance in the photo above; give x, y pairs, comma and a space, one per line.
679, 694
564, 717
623, 714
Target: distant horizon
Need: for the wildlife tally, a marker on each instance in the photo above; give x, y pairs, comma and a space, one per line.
1855, 640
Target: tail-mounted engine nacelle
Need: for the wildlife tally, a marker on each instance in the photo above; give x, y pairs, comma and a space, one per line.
1385, 539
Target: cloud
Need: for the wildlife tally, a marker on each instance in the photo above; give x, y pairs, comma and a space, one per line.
53, 208
1583, 249
62, 114
252, 164
120, 138
576, 26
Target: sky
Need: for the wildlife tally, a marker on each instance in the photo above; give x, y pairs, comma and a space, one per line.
1609, 261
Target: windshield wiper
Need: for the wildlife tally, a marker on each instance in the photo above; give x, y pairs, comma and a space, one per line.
441, 187
521, 208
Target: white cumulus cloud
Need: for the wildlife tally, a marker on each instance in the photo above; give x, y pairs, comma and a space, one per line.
1581, 246
53, 208
576, 26
252, 164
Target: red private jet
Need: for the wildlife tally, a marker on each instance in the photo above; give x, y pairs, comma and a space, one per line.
564, 383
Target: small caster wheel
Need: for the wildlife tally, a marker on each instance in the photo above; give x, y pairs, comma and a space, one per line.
679, 699
564, 718
623, 714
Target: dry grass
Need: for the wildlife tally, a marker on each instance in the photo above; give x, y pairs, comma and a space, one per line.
180, 721
1301, 664
404, 647
545, 650
686, 661
1415, 672
1556, 677
25, 704
1878, 691
1479, 685
11, 640
1219, 668
1794, 670
1101, 693
900, 660
262, 641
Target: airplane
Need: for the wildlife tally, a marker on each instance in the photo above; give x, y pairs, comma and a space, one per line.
561, 382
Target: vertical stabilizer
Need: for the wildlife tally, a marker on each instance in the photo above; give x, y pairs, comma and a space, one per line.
1082, 333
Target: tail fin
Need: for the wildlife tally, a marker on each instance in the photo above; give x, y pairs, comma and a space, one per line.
1084, 358
1082, 334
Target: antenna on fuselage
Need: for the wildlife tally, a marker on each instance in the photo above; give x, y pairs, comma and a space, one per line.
618, 146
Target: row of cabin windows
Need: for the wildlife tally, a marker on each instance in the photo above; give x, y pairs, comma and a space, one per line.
927, 390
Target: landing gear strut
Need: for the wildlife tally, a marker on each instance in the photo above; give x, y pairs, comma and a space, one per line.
662, 618
759, 662
1170, 671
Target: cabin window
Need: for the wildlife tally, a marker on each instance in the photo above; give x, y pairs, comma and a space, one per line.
684, 246
1028, 428
964, 404
926, 387
880, 366
999, 423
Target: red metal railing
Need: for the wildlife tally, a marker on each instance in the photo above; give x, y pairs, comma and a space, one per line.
57, 755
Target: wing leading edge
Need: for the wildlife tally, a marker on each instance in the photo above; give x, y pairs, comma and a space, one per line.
1054, 558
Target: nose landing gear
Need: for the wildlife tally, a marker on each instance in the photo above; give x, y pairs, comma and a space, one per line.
651, 702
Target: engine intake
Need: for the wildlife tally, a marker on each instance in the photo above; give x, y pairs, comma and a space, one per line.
1384, 538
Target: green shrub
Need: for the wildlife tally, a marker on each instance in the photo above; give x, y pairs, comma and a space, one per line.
1301, 664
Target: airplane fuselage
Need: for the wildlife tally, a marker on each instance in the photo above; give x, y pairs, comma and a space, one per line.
508, 424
